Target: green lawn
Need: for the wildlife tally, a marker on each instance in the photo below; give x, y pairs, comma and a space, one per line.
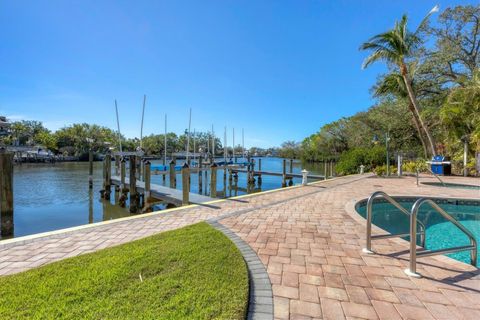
194, 272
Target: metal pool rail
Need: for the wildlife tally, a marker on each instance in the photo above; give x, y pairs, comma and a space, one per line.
381, 194
413, 213
412, 271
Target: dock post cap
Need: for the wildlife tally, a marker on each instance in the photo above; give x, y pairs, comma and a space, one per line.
214, 165
185, 165
146, 161
172, 161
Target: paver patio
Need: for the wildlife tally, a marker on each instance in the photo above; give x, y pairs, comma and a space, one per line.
310, 240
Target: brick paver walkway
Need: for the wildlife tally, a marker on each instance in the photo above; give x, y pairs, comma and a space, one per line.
312, 249
310, 240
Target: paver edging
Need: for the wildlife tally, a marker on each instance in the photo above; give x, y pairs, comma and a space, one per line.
260, 296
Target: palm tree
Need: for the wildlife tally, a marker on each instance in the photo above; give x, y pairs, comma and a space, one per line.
395, 47
393, 84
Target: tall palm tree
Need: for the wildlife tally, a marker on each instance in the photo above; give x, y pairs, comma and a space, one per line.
393, 84
395, 47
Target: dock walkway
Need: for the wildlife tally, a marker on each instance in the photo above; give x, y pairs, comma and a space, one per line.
165, 193
279, 174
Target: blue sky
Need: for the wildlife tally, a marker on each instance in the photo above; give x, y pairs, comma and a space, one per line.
278, 69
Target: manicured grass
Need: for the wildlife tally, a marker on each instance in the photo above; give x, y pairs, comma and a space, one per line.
194, 272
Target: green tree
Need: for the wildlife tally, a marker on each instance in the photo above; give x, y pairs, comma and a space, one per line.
47, 139
455, 56
290, 150
461, 115
74, 139
393, 84
396, 47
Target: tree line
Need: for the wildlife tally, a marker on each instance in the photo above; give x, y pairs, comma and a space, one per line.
428, 102
78, 139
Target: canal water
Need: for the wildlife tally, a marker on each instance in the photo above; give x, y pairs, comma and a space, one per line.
55, 196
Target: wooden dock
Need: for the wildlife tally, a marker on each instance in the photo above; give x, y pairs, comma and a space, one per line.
288, 175
165, 193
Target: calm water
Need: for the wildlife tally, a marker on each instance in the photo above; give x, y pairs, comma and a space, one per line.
51, 197
440, 232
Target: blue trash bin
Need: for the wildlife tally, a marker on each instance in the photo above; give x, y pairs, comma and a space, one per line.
437, 168
440, 166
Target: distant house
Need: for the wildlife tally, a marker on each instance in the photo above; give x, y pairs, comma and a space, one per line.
4, 126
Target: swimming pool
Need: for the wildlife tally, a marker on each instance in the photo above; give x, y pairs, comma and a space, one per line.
440, 233
452, 185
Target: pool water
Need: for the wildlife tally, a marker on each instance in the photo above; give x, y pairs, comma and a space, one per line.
440, 232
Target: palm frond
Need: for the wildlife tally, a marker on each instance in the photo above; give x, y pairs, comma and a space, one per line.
435, 9
391, 84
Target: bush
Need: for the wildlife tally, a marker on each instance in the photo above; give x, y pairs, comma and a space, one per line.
412, 166
350, 161
382, 170
377, 156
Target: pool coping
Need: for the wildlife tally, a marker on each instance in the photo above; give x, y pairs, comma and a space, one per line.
8, 243
452, 185
350, 208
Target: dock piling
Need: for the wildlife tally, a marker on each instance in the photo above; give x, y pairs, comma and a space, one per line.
259, 171
108, 176
138, 167
284, 173
291, 165
200, 165
117, 164
90, 169
213, 180
133, 185
123, 188
185, 184
6, 193
173, 178
147, 183
250, 169
142, 169
123, 172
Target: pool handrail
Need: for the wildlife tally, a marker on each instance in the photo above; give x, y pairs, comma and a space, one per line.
369, 237
436, 176
412, 271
